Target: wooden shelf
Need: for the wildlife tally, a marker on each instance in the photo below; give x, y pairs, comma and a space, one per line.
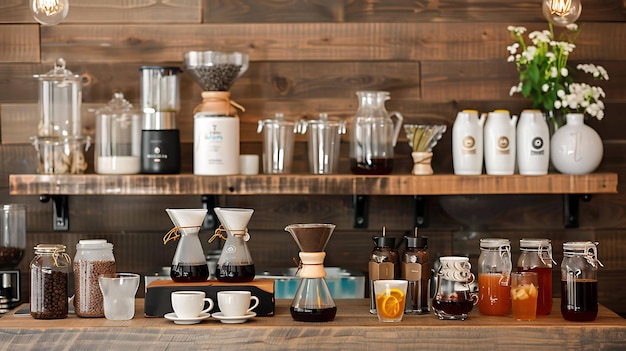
305, 184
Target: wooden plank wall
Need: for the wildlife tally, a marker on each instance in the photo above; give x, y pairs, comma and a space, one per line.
307, 57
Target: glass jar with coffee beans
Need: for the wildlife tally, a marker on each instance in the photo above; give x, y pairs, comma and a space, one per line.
49, 272
94, 258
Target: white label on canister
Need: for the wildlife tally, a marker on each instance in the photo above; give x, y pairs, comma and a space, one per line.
215, 145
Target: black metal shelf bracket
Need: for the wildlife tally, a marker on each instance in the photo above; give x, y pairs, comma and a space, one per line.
60, 211
209, 202
361, 211
570, 208
420, 211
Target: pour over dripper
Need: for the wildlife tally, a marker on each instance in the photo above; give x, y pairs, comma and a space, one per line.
235, 263
214, 70
312, 301
189, 263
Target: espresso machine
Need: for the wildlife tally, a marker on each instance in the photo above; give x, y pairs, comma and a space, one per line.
12, 246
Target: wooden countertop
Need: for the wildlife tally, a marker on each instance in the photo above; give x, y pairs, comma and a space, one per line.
353, 328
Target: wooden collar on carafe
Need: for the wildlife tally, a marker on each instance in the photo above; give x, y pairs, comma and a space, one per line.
219, 102
312, 264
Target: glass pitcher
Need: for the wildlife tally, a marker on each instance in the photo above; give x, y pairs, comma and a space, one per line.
373, 134
453, 297
189, 262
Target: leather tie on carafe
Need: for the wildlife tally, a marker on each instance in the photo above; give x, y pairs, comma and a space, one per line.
174, 234
211, 100
221, 229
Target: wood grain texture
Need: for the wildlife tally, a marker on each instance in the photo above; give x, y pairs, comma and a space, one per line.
92, 184
20, 43
354, 327
308, 41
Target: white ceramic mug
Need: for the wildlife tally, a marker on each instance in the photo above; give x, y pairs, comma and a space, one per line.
190, 304
236, 303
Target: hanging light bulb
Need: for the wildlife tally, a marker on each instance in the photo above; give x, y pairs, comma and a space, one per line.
49, 12
562, 12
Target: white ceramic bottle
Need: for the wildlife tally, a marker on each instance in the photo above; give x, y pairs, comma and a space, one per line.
467, 143
533, 143
500, 143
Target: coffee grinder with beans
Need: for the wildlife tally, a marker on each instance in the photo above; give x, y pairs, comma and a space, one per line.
216, 120
12, 246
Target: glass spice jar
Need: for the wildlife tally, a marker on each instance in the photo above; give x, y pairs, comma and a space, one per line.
49, 272
416, 269
384, 263
94, 258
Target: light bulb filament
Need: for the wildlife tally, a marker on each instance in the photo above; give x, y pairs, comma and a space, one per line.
560, 7
50, 7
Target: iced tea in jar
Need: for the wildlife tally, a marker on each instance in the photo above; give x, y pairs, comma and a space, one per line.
536, 256
579, 281
494, 277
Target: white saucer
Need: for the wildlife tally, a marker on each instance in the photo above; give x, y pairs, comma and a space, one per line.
233, 319
173, 317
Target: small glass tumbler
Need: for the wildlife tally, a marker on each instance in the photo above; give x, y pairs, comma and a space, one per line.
119, 291
390, 299
524, 292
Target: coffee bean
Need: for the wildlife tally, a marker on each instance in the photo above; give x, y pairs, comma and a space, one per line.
217, 77
48, 298
88, 300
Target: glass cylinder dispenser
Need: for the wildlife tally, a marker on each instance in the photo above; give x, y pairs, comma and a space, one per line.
118, 138
60, 98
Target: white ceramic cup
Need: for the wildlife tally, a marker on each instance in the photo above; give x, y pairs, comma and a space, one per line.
236, 303
249, 164
190, 304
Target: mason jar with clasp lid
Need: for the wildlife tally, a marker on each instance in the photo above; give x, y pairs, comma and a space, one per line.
49, 271
536, 256
494, 273
93, 259
579, 281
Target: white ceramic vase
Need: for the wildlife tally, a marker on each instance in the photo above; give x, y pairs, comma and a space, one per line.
576, 148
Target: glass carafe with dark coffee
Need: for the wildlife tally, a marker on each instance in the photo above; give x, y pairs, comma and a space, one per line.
312, 301
235, 263
189, 263
373, 134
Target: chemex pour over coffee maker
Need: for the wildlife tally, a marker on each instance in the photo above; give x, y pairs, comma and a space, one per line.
189, 263
235, 263
312, 301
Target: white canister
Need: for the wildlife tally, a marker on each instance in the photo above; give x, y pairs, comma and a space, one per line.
533, 143
467, 143
500, 143
215, 144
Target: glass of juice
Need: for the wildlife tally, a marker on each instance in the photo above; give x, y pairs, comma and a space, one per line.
390, 299
524, 292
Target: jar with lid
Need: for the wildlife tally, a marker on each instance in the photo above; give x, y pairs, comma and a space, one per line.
579, 281
416, 269
536, 256
94, 258
118, 137
383, 264
494, 277
49, 271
